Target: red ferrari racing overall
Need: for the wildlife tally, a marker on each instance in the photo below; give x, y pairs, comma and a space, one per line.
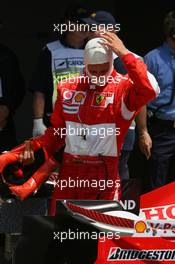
92, 121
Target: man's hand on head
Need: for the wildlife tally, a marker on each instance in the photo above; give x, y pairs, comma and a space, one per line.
113, 42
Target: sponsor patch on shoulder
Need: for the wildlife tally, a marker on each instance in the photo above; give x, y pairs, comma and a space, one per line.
67, 96
79, 97
72, 97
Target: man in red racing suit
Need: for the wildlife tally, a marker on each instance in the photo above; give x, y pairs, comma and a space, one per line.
92, 118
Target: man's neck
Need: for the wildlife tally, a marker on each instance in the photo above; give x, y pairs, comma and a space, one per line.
171, 43
73, 43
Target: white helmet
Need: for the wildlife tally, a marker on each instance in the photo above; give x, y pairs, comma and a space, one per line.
97, 53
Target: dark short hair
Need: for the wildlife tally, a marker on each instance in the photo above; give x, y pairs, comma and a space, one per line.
169, 25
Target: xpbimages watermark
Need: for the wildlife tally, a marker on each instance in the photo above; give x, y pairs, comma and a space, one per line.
101, 184
72, 27
102, 132
82, 235
102, 80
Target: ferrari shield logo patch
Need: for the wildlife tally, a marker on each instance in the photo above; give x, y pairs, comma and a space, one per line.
102, 99
99, 98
